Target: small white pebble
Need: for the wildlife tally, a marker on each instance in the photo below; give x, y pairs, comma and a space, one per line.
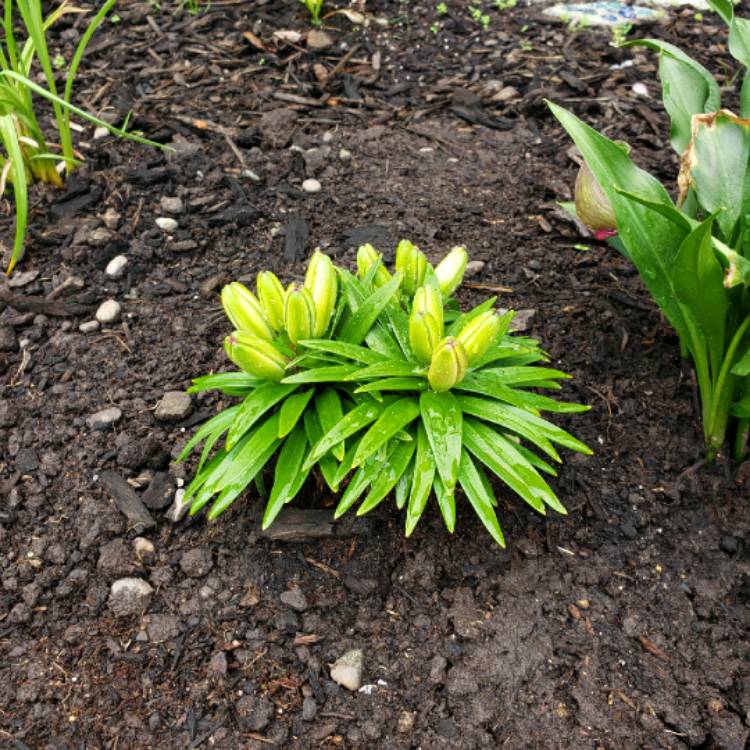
166, 224
172, 205
311, 186
641, 89
116, 267
101, 132
345, 155
89, 326
108, 312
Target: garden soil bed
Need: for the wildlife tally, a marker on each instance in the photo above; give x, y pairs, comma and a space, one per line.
621, 625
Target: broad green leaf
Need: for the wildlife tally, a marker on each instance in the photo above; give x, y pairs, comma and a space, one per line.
393, 419
724, 8
424, 474
231, 383
687, 88
698, 281
443, 422
352, 422
742, 367
475, 490
291, 410
254, 407
332, 374
356, 328
327, 463
288, 474
388, 475
330, 413
652, 240
717, 166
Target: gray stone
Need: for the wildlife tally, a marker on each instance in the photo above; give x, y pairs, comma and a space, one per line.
174, 406
277, 126
179, 507
473, 268
311, 186
347, 669
254, 713
295, 599
104, 418
89, 326
108, 312
21, 613
166, 224
116, 267
309, 708
315, 159
8, 413
111, 218
129, 596
172, 205
144, 549
196, 562
8, 339
218, 664
522, 320
161, 627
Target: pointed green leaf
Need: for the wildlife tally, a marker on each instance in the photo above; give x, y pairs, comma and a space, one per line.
443, 420
424, 475
330, 413
356, 328
254, 407
389, 474
288, 476
291, 410
394, 418
475, 490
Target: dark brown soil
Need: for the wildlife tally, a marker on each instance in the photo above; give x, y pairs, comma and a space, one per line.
623, 625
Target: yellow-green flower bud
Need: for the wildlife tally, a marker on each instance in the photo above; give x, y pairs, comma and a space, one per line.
366, 256
449, 365
323, 285
299, 313
412, 263
450, 270
424, 335
479, 335
427, 299
592, 204
244, 310
271, 294
255, 356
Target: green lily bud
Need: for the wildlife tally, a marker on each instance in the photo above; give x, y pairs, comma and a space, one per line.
448, 366
424, 335
480, 334
450, 270
411, 261
427, 299
244, 310
322, 282
592, 204
299, 313
271, 293
255, 356
366, 256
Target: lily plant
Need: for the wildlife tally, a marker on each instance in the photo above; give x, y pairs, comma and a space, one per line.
693, 251
379, 385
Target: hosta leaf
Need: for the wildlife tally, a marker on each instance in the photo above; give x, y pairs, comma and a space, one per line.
342, 349
424, 475
231, 383
328, 464
352, 422
331, 374
443, 420
288, 476
358, 325
476, 491
330, 413
291, 410
254, 407
394, 418
389, 474
687, 88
